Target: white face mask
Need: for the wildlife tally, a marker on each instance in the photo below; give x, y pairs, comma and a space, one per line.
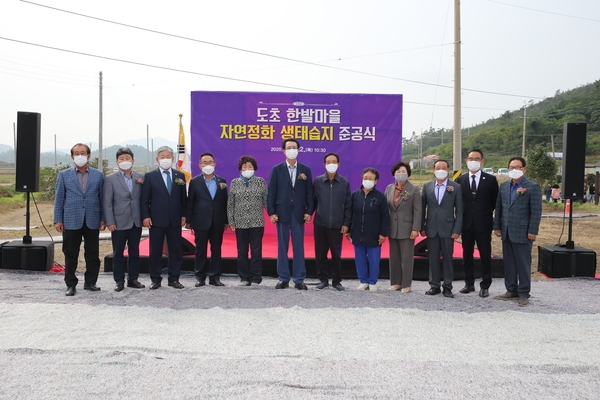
80, 161
474, 165
291, 154
249, 173
208, 169
165, 163
515, 174
331, 168
441, 174
368, 184
125, 165
401, 177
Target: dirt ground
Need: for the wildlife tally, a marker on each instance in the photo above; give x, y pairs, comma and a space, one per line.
584, 232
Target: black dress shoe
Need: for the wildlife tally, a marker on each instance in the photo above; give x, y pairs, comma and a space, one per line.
91, 287
282, 285
119, 286
200, 283
484, 293
71, 291
338, 287
154, 285
467, 289
433, 291
176, 285
447, 293
301, 286
215, 282
322, 285
135, 284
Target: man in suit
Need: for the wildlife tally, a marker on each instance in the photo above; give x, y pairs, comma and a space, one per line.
207, 216
77, 215
441, 223
163, 212
517, 222
122, 193
479, 193
290, 206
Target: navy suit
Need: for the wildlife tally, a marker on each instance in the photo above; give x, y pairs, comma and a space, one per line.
80, 212
207, 217
166, 211
290, 203
478, 221
516, 218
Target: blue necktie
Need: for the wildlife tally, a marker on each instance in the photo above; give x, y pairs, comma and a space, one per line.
169, 181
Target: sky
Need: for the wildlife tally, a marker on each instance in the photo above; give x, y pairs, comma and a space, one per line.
513, 52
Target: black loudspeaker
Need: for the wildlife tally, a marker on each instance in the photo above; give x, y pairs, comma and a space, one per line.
560, 262
37, 256
573, 169
28, 152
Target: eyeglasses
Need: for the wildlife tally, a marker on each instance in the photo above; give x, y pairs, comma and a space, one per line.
510, 168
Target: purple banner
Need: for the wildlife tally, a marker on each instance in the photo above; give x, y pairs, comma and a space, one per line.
365, 130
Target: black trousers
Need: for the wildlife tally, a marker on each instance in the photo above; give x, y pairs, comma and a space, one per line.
250, 270
328, 240
157, 239
131, 239
91, 248
203, 266
484, 245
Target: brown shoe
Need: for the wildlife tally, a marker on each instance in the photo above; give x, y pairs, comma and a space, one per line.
395, 287
508, 296
523, 301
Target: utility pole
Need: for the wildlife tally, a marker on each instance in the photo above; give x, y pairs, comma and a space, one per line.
457, 148
524, 129
552, 141
148, 148
55, 150
100, 159
421, 154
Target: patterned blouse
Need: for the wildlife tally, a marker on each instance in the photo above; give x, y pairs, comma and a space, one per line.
245, 203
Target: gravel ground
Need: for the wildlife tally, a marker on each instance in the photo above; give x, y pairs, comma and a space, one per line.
260, 343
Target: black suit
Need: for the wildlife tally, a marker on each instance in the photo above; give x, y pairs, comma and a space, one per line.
166, 211
478, 221
207, 217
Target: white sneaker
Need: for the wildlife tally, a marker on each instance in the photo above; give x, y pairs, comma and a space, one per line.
363, 286
373, 288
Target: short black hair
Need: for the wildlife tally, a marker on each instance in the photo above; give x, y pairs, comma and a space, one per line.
289, 140
331, 154
518, 158
399, 164
87, 148
440, 160
372, 170
475, 151
124, 150
206, 154
247, 159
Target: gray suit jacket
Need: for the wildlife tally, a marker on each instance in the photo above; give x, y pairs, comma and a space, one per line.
442, 219
405, 217
521, 216
122, 208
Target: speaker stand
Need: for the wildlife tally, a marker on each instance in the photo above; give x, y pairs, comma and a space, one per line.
27, 237
570, 243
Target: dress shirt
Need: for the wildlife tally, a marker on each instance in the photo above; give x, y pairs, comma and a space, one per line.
211, 184
128, 180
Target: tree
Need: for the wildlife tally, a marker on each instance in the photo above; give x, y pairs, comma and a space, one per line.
541, 168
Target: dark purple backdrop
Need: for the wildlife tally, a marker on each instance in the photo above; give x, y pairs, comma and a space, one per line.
364, 129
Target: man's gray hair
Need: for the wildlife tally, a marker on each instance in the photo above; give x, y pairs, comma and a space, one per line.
164, 148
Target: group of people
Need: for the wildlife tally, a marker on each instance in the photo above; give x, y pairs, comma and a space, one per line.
125, 201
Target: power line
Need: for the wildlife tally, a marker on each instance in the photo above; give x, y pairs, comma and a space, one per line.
272, 55
544, 11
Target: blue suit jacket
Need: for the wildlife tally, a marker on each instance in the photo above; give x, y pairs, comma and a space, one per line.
72, 206
163, 208
203, 210
523, 215
289, 201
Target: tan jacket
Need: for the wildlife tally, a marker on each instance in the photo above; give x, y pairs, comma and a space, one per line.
406, 217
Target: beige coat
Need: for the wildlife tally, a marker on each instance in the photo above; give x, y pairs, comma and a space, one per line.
406, 217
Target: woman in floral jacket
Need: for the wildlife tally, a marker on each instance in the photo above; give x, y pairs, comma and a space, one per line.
404, 203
